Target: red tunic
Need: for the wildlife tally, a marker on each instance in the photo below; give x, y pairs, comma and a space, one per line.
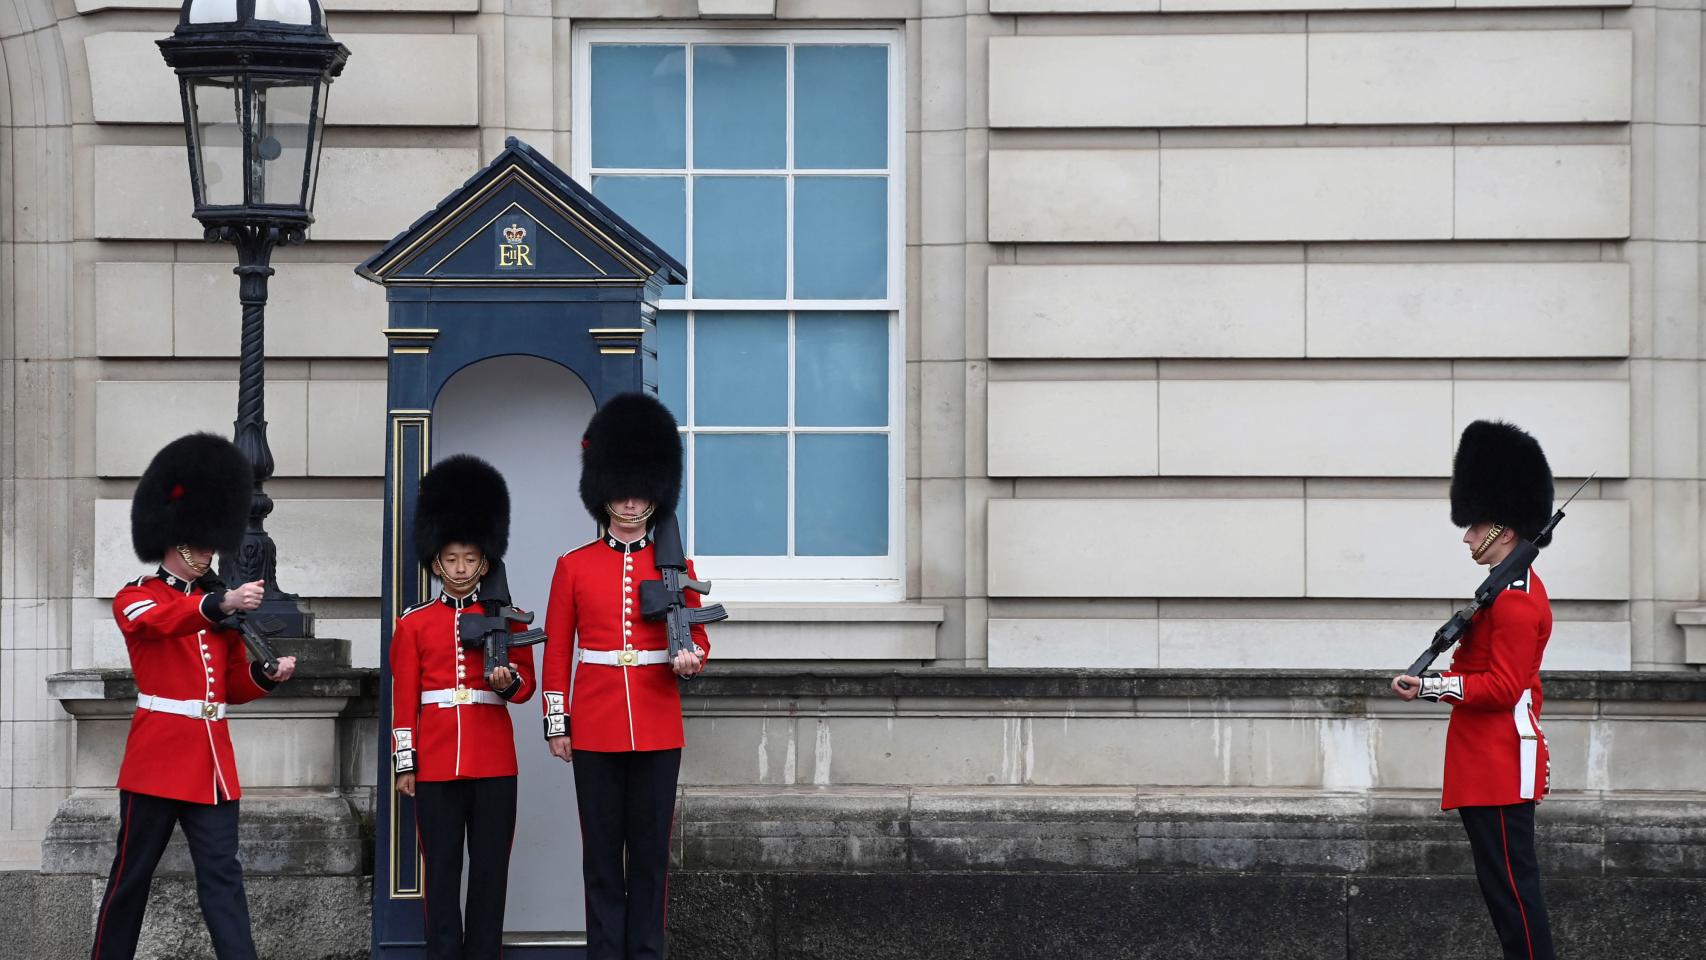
463, 741
595, 599
1495, 752
177, 653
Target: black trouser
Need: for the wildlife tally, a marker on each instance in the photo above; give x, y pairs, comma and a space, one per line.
144, 826
1502, 839
481, 814
627, 807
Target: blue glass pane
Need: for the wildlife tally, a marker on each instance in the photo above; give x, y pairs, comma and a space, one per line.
841, 495
741, 484
841, 103
740, 107
639, 106
841, 238
841, 369
672, 363
655, 206
739, 238
740, 369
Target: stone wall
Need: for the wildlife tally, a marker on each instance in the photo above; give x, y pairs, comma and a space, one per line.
1198, 294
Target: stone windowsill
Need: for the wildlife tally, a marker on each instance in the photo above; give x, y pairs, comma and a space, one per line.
1693, 623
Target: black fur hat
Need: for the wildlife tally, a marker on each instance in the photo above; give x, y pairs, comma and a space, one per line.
463, 499
1500, 475
632, 448
196, 491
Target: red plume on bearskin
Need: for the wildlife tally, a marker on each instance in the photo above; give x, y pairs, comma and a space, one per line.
463, 499
196, 491
632, 448
1500, 475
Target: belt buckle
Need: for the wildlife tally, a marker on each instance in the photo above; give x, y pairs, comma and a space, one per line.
628, 657
210, 710
463, 695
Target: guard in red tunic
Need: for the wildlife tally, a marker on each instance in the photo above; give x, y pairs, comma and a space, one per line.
609, 671
1496, 764
178, 766
453, 747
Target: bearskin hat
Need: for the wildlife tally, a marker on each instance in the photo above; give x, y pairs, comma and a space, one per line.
632, 448
196, 491
1500, 475
463, 499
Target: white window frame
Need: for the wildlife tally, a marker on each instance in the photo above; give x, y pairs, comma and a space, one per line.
790, 578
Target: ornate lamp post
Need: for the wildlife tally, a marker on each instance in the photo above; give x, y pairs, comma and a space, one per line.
254, 75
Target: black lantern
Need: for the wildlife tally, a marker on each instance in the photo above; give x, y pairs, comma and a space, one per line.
253, 76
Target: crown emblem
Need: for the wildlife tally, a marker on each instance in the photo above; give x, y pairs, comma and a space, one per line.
515, 233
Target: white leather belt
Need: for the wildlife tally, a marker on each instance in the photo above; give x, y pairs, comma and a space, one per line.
458, 696
1528, 750
625, 658
194, 709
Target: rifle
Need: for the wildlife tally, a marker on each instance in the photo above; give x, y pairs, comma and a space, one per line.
1499, 579
257, 633
491, 630
663, 599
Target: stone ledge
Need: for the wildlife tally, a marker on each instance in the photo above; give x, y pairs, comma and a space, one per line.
117, 683
757, 681
1144, 830
770, 916
293, 833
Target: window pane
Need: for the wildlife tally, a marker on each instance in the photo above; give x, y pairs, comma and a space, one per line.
655, 206
740, 369
841, 496
740, 107
841, 100
841, 369
739, 238
672, 363
841, 238
639, 106
741, 485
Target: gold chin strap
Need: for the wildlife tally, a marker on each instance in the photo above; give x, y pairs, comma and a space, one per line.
196, 566
438, 568
632, 519
1486, 542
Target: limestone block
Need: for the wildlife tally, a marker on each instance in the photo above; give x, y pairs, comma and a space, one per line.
1079, 195
1408, 548
1470, 76
1542, 192
371, 193
1072, 643
363, 637
1074, 6
133, 309
876, 750
1649, 752
326, 548
1359, 644
1163, 548
1467, 309
1305, 193
1307, 428
365, 193
330, 6
143, 193
1582, 424
346, 428
130, 428
737, 8
128, 80
313, 310
828, 631
1146, 310
1064, 428
1147, 81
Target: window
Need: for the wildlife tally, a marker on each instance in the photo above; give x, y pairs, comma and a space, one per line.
769, 163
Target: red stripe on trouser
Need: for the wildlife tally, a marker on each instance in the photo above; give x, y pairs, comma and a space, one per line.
112, 889
1511, 874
